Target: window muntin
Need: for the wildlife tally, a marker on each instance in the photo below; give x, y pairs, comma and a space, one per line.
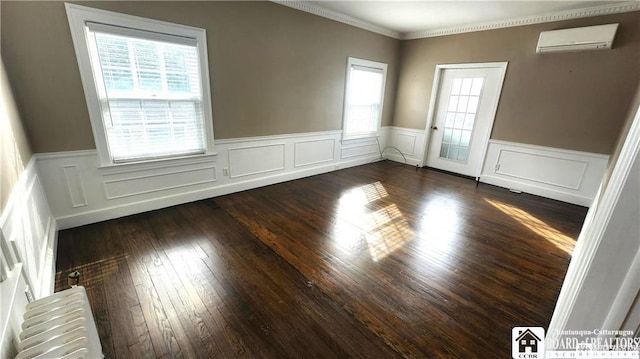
363, 97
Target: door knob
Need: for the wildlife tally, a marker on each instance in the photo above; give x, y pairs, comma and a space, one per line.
434, 127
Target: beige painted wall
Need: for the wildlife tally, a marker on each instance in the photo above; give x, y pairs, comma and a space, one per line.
631, 114
576, 101
274, 70
15, 151
277, 70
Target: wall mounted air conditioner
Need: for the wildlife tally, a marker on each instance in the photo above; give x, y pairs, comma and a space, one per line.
598, 37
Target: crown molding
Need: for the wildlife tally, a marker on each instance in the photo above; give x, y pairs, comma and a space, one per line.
336, 16
608, 9
527, 20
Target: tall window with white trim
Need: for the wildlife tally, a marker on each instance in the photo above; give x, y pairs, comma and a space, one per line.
146, 85
363, 97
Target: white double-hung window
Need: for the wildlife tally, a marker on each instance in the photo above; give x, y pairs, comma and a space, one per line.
146, 83
363, 97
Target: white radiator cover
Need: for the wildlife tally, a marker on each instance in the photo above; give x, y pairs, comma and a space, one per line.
60, 326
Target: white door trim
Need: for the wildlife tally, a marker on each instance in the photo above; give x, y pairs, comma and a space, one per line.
434, 99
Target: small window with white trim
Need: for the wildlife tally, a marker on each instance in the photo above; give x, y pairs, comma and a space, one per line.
146, 83
363, 98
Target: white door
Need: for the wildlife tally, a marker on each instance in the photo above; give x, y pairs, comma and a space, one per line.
465, 106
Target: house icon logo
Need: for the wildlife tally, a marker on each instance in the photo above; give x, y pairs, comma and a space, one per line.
527, 342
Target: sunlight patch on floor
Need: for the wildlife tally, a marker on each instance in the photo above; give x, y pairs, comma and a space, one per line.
391, 231
557, 238
382, 231
438, 226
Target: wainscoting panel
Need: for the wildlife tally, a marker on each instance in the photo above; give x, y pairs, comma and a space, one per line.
406, 143
410, 142
239, 164
247, 161
28, 236
565, 175
29, 232
75, 187
163, 180
560, 172
359, 147
312, 152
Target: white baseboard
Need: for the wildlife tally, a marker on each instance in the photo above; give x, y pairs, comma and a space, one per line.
88, 194
564, 175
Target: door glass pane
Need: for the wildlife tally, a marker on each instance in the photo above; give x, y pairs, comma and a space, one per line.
469, 119
447, 135
449, 121
453, 103
463, 153
476, 87
473, 104
455, 138
444, 150
466, 86
462, 103
453, 152
460, 118
465, 139
455, 88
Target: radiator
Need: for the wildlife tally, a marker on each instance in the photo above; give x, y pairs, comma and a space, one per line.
60, 326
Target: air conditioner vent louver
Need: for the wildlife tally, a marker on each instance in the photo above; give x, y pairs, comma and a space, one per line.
598, 37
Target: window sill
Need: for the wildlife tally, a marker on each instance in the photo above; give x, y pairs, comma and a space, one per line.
125, 167
360, 136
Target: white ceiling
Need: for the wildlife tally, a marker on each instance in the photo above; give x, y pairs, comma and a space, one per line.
408, 18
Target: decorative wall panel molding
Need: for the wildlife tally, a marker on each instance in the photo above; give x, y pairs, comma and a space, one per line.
565, 175
75, 187
559, 172
360, 147
29, 231
409, 141
406, 143
240, 164
163, 180
254, 160
311, 152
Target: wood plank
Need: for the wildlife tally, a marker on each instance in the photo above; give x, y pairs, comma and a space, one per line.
376, 261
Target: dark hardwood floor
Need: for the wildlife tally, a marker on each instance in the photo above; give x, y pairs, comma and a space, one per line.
376, 261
